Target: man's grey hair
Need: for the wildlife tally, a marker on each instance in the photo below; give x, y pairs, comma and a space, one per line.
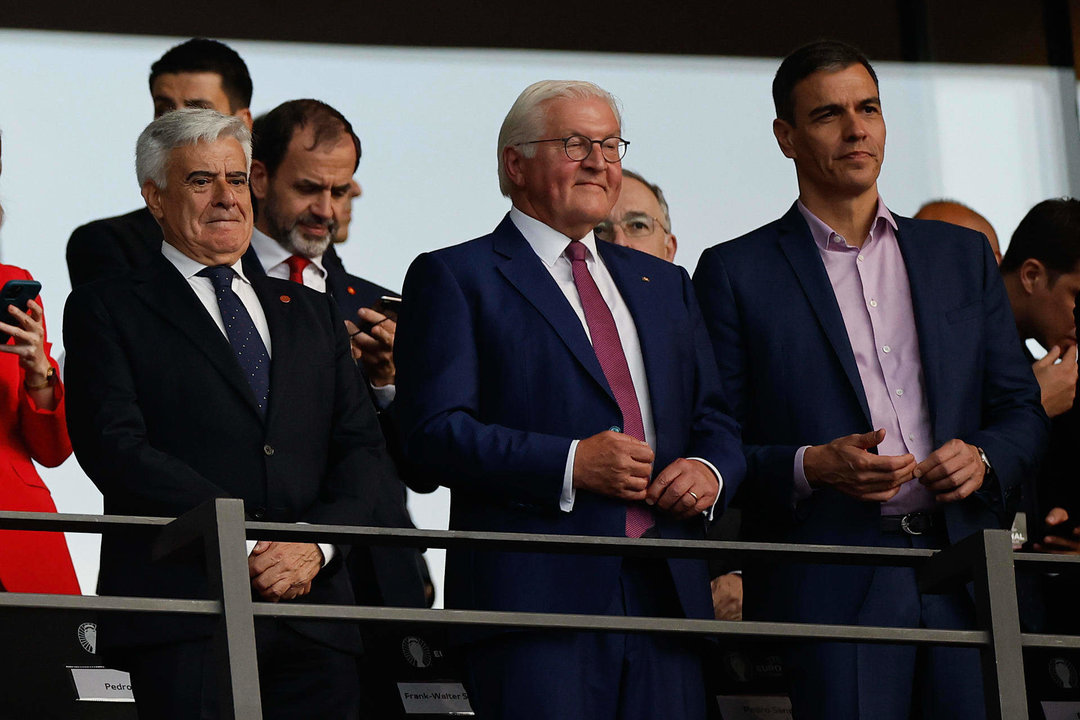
655, 190
179, 128
528, 116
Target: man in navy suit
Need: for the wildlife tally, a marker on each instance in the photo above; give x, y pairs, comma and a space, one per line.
558, 385
874, 364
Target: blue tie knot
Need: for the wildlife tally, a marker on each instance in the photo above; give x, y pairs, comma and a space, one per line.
219, 275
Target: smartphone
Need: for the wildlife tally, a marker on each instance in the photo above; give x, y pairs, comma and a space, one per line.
1063, 530
17, 293
388, 305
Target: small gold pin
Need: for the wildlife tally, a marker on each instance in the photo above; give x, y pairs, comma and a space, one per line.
285, 299
645, 278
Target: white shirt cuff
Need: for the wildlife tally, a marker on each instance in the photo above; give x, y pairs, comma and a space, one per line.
566, 500
384, 395
802, 489
719, 482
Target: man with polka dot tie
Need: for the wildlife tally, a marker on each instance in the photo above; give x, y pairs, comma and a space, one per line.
192, 379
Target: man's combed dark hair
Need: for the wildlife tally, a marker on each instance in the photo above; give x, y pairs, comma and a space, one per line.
827, 55
274, 131
1049, 233
203, 55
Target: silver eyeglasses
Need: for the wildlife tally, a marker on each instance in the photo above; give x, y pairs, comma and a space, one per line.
633, 224
579, 147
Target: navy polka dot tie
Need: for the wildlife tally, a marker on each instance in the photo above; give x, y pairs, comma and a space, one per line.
244, 338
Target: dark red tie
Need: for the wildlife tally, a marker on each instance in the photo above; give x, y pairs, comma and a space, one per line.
296, 265
609, 351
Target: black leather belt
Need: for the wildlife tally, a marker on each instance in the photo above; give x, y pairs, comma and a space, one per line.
916, 523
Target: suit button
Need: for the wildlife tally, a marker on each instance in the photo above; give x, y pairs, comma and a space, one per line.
268, 449
615, 428
258, 513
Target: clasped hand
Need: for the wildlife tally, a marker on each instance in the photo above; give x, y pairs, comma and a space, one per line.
619, 466
952, 472
283, 571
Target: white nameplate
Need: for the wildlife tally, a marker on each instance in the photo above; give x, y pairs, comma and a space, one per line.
101, 684
1055, 710
754, 707
434, 699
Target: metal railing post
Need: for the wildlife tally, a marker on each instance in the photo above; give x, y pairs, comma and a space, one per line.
997, 611
220, 526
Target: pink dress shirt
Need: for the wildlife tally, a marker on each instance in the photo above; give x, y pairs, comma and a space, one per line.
872, 290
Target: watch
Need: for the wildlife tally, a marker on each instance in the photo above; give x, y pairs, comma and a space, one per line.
50, 375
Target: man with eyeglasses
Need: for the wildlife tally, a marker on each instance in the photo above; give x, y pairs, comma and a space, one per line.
562, 386
640, 219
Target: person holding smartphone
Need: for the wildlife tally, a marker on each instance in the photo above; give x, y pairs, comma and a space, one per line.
32, 427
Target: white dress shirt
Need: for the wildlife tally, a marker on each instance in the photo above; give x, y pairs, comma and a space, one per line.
550, 246
204, 290
272, 256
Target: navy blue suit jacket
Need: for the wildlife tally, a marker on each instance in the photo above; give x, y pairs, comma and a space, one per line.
496, 375
790, 372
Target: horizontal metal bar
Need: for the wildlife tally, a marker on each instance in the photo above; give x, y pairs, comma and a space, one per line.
1049, 561
609, 623
69, 522
39, 601
1051, 642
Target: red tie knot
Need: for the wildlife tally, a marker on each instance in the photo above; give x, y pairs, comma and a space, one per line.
576, 250
296, 265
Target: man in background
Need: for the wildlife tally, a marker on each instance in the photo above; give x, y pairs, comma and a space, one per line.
957, 213
198, 73
640, 219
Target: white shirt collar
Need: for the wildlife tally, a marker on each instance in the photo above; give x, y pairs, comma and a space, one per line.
189, 267
549, 244
271, 253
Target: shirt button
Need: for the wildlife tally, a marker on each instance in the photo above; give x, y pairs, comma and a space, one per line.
268, 449
899, 392
860, 258
615, 428
873, 303
911, 437
886, 349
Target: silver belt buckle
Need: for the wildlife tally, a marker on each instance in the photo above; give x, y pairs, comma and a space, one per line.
914, 523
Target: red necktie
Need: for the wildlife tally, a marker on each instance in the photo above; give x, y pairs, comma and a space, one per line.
296, 265
609, 351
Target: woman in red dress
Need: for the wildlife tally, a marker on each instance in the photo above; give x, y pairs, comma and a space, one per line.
32, 425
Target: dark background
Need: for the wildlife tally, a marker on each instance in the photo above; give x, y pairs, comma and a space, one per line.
1016, 32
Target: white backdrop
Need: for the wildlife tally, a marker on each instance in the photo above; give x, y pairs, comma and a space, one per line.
995, 138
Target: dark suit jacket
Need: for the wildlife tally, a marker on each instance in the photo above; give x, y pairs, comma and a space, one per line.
496, 376
113, 247
786, 361
162, 419
381, 575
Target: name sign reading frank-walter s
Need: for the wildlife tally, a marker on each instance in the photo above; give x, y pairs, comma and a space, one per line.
101, 684
434, 699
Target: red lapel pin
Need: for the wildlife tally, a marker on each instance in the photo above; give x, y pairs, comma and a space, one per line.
285, 299
351, 290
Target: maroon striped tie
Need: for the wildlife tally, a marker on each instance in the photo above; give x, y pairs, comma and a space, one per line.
609, 351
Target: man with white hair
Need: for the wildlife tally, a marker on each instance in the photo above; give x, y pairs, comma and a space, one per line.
562, 386
190, 380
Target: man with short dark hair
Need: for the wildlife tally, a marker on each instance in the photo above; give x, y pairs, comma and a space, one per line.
198, 73
1041, 270
304, 156
190, 379
874, 365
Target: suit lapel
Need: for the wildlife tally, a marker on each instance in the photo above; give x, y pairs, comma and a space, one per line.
168, 294
277, 305
927, 311
798, 245
526, 272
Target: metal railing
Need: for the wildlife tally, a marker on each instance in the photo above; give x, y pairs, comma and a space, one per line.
987, 560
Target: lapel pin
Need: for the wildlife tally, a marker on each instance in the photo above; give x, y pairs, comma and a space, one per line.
645, 278
285, 299
351, 290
